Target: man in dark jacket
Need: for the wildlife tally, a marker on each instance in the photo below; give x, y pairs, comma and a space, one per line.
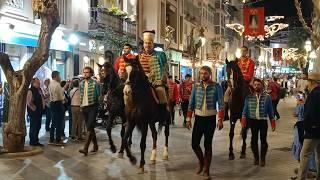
311, 141
35, 106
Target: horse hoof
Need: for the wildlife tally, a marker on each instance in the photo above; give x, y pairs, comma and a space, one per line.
152, 161
133, 160
165, 158
165, 155
120, 155
140, 170
231, 156
113, 149
153, 156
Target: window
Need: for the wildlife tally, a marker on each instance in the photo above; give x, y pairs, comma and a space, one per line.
62, 7
216, 18
217, 30
15, 3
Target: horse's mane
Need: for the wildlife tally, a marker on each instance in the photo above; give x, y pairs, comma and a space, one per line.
138, 80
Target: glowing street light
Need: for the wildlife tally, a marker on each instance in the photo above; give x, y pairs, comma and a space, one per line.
308, 46
73, 39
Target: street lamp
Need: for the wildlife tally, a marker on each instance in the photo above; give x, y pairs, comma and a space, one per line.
73, 39
308, 46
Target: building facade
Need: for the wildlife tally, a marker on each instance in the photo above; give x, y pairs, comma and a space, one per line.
17, 20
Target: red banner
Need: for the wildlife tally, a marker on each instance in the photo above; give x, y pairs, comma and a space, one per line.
277, 54
253, 21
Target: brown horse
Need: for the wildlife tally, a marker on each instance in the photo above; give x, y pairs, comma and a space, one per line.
240, 89
142, 110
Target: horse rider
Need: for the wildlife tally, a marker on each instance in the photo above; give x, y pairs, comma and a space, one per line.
154, 65
119, 64
246, 65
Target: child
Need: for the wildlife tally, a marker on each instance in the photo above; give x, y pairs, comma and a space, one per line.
299, 135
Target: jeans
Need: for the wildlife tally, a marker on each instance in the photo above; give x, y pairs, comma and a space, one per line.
48, 118
275, 105
256, 127
203, 126
35, 126
90, 114
309, 146
57, 119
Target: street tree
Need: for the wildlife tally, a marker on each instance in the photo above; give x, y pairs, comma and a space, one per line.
14, 131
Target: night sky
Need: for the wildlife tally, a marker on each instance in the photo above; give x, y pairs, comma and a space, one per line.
284, 7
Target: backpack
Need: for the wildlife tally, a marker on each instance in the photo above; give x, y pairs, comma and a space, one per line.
67, 101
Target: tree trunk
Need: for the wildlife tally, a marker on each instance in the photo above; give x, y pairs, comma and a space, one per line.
14, 131
316, 65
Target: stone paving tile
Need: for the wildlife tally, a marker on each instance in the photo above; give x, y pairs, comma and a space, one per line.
66, 163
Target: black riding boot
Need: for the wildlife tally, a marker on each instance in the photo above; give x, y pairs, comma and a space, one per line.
264, 149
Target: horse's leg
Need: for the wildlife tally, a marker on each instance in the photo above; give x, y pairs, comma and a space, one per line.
154, 138
109, 129
244, 133
123, 127
128, 133
144, 132
165, 155
231, 136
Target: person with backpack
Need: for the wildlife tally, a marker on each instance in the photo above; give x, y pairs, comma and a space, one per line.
77, 119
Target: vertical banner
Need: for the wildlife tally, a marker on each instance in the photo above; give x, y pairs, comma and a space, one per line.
253, 21
277, 54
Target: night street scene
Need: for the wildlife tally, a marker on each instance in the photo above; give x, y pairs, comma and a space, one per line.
159, 89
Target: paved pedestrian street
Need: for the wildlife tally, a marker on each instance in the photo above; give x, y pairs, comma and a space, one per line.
67, 163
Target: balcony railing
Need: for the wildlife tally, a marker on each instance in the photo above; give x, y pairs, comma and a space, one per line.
102, 19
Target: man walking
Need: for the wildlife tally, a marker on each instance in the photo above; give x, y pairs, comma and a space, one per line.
57, 110
173, 97
311, 141
205, 96
185, 92
256, 112
274, 91
89, 99
35, 106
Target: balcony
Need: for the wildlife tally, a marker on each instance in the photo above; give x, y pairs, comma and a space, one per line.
101, 19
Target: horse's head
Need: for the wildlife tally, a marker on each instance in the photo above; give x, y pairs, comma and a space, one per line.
234, 73
108, 76
137, 83
132, 69
105, 69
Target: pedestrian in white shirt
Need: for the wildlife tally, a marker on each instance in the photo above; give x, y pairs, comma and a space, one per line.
57, 110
